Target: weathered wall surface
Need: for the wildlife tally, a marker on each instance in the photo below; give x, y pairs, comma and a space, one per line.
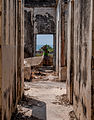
20, 49
41, 3
44, 20
58, 36
8, 60
28, 32
82, 58
60, 40
38, 20
45, 23
92, 65
70, 51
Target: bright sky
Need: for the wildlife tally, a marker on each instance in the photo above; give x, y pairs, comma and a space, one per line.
45, 39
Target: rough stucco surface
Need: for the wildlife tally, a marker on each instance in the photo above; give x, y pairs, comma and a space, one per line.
45, 23
82, 57
69, 50
44, 20
60, 41
58, 35
8, 61
93, 64
41, 3
29, 32
38, 20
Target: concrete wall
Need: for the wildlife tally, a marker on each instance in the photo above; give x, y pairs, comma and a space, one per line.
9, 86
92, 77
82, 58
61, 68
70, 50
20, 49
44, 23
58, 37
44, 20
28, 32
40, 18
41, 3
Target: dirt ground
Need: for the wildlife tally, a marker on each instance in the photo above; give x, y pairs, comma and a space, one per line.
44, 98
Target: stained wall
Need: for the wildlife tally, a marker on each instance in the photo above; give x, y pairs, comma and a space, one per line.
9, 31
40, 18
82, 101
61, 67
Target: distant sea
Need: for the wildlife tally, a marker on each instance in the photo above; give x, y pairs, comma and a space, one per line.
39, 46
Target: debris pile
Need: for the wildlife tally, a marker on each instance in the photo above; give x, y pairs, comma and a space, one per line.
62, 100
25, 109
72, 115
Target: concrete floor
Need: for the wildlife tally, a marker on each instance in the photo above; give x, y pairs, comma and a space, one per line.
44, 99
49, 92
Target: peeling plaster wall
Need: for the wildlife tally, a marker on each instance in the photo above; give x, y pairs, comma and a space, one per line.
9, 38
38, 20
44, 23
28, 32
92, 89
82, 58
44, 20
58, 36
41, 3
61, 68
20, 50
70, 51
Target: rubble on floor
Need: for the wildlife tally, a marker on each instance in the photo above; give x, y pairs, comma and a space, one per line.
45, 98
62, 100
21, 116
72, 115
44, 73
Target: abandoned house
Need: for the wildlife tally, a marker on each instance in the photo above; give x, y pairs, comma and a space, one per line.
71, 25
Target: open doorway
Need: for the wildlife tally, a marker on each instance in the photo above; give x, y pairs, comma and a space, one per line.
44, 46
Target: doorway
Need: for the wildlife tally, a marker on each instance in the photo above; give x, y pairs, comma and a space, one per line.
43, 40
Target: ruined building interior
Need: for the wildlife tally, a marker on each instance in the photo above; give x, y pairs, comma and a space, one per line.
62, 90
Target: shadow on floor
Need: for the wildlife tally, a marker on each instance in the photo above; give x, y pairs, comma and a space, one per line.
30, 109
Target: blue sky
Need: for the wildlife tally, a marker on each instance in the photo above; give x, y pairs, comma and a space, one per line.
45, 39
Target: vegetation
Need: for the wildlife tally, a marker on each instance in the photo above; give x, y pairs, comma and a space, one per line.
50, 49
40, 53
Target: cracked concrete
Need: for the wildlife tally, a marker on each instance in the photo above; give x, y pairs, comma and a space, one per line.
47, 91
45, 99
